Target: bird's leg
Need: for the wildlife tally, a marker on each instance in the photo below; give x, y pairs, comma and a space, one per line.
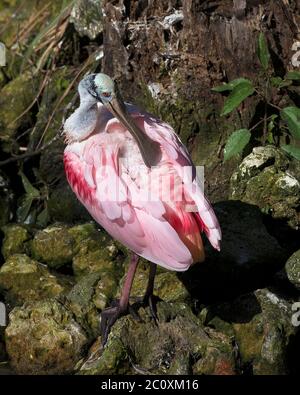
109, 316
149, 299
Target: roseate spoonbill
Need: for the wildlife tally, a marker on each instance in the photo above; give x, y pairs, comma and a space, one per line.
127, 168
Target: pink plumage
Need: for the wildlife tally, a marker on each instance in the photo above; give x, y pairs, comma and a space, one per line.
161, 228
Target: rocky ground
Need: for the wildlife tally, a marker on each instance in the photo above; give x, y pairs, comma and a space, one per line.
235, 314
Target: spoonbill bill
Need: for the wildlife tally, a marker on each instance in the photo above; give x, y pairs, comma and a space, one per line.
137, 180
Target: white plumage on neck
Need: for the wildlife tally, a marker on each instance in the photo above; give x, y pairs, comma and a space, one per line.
83, 121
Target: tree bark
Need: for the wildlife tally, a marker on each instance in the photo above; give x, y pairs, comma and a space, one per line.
215, 41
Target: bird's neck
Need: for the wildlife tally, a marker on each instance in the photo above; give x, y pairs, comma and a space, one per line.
82, 122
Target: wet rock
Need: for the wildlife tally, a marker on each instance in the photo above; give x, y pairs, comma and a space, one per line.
267, 179
292, 268
80, 301
15, 240
54, 246
175, 346
262, 327
23, 279
6, 200
12, 105
91, 294
105, 290
167, 286
87, 17
96, 251
43, 338
87, 248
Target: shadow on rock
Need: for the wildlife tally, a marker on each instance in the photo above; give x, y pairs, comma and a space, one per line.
249, 256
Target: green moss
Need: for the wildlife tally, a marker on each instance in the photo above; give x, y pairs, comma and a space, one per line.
172, 347
167, 286
265, 179
93, 261
262, 330
54, 246
96, 251
43, 338
105, 290
292, 268
250, 339
23, 279
80, 302
15, 97
112, 360
15, 240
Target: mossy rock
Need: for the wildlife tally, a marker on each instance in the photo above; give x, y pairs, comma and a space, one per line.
89, 296
44, 338
90, 238
97, 252
174, 346
292, 268
54, 246
261, 326
268, 179
87, 248
87, 18
23, 279
15, 240
16, 96
167, 286
248, 255
105, 290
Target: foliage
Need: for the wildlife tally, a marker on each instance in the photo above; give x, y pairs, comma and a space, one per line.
45, 60
33, 206
236, 142
275, 120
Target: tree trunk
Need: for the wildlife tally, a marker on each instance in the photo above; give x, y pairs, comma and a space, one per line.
180, 58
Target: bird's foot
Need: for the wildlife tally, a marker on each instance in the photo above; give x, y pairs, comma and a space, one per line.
110, 315
149, 300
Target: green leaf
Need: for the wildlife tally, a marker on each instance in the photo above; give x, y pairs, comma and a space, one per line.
236, 143
43, 217
29, 189
271, 123
24, 208
263, 51
276, 81
285, 83
293, 75
237, 95
230, 85
292, 150
291, 115
270, 138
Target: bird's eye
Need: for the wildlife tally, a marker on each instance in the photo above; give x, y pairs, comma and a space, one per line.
106, 94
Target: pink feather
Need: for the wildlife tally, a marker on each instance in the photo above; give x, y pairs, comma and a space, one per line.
117, 194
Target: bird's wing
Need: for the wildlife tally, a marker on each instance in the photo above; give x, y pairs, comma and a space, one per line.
180, 160
118, 205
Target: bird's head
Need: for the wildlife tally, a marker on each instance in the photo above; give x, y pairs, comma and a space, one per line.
101, 88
